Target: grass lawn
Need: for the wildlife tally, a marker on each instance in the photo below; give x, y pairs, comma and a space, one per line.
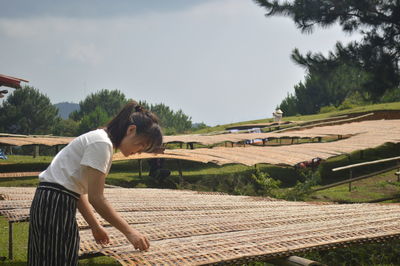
378, 187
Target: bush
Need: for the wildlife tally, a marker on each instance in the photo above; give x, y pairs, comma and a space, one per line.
301, 189
327, 109
355, 99
264, 185
391, 96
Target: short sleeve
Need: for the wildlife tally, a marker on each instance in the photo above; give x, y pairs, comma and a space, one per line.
98, 156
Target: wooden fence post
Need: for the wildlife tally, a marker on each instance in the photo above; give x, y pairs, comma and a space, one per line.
180, 173
351, 177
140, 168
10, 241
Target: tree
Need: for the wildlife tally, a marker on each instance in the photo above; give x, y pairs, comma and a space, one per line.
27, 111
378, 21
369, 67
66, 127
97, 108
98, 117
111, 101
289, 105
172, 121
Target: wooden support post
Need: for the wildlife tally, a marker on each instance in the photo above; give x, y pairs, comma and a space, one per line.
35, 151
351, 177
10, 149
140, 167
398, 171
181, 145
10, 241
180, 173
264, 141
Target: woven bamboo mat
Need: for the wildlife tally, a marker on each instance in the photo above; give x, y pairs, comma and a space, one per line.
190, 228
18, 174
364, 135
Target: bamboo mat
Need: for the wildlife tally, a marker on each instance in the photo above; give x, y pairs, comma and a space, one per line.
18, 174
191, 228
364, 135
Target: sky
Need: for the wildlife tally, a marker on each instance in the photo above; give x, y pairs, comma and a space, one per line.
219, 61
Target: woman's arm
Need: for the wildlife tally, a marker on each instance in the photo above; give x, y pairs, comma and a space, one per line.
96, 180
99, 234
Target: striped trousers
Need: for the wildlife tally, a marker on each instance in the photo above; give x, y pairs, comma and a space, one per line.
53, 231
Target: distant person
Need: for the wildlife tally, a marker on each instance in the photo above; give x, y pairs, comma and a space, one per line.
157, 169
76, 178
278, 114
3, 155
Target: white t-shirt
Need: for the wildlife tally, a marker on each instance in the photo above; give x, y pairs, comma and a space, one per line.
92, 149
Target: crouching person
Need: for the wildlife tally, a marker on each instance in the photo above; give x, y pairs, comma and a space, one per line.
75, 179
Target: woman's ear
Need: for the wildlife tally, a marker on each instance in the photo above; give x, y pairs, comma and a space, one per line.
131, 130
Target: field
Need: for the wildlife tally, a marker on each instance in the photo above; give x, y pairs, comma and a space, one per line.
239, 179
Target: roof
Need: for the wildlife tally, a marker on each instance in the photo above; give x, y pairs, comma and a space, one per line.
11, 82
197, 228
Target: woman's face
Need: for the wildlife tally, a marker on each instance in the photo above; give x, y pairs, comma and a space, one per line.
132, 143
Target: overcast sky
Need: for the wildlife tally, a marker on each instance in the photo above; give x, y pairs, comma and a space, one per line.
220, 61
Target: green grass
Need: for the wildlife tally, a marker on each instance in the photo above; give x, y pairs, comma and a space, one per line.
383, 186
20, 244
359, 109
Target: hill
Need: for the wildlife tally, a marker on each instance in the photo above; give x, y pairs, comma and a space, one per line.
65, 108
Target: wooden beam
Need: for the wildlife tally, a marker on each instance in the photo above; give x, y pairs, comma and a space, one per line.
354, 179
366, 163
294, 261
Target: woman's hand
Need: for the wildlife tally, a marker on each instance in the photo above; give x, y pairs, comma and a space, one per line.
138, 240
100, 235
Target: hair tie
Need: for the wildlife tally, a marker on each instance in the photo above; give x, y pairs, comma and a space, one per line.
138, 108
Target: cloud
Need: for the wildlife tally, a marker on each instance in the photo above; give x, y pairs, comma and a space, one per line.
219, 61
84, 53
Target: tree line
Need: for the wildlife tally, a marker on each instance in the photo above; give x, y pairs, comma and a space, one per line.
362, 72
27, 111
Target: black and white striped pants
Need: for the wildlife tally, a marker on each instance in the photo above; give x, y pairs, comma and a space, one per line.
53, 231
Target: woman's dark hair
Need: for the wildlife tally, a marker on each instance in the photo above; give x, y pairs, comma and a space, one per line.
146, 123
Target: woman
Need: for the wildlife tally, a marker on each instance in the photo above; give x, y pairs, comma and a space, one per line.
75, 179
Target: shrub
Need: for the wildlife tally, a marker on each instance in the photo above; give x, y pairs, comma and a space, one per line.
311, 178
327, 109
391, 96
